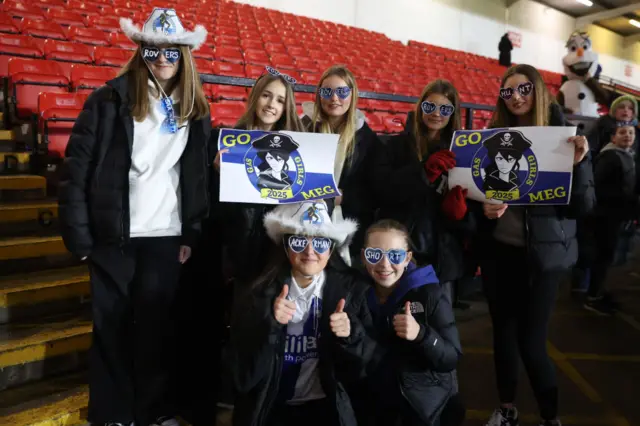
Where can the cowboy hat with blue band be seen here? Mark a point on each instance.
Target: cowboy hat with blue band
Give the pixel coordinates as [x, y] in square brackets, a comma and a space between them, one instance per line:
[164, 27]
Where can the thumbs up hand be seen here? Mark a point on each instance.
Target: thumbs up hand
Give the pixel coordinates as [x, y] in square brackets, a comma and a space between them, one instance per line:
[405, 325]
[284, 309]
[339, 321]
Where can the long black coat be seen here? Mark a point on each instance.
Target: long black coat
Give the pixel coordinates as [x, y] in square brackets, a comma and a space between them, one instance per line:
[94, 189]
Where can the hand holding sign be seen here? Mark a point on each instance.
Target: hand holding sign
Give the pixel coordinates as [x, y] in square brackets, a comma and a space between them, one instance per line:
[216, 161]
[405, 325]
[494, 211]
[438, 163]
[339, 321]
[454, 204]
[582, 147]
[284, 309]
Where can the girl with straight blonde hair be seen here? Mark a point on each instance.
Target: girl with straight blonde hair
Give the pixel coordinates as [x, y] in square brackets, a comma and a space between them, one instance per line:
[359, 149]
[132, 198]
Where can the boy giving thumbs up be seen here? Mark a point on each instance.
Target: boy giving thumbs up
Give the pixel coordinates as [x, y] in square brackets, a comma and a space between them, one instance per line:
[305, 326]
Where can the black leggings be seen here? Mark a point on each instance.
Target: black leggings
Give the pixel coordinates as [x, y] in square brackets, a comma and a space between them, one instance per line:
[520, 303]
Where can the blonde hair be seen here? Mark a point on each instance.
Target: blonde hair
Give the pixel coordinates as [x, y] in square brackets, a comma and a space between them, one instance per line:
[420, 130]
[139, 75]
[348, 125]
[502, 117]
[288, 121]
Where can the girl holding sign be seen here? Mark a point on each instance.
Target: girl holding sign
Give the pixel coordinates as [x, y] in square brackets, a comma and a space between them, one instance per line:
[301, 331]
[271, 107]
[419, 160]
[414, 321]
[132, 199]
[525, 253]
[356, 172]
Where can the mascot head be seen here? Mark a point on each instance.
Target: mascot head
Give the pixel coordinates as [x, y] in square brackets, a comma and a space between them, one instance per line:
[580, 61]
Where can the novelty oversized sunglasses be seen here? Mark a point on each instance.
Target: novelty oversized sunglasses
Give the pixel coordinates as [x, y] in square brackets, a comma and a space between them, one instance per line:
[152, 54]
[524, 89]
[274, 72]
[299, 243]
[375, 255]
[343, 92]
[445, 110]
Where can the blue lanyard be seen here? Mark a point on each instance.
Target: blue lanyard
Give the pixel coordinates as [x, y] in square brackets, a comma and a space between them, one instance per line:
[169, 124]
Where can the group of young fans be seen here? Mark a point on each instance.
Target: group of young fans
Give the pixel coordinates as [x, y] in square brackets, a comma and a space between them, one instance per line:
[342, 308]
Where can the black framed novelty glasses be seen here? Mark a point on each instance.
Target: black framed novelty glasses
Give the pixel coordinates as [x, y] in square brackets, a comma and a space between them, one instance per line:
[342, 92]
[524, 89]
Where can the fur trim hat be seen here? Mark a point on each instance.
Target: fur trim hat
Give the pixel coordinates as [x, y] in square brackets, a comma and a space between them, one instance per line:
[616, 103]
[309, 218]
[164, 27]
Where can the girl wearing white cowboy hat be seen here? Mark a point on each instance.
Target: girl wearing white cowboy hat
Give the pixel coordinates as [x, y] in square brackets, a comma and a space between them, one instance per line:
[132, 197]
[301, 327]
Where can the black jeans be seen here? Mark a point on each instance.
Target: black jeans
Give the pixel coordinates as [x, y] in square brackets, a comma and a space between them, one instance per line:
[608, 236]
[520, 303]
[133, 292]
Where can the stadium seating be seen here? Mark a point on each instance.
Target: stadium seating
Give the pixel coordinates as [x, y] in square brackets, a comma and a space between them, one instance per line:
[82, 47]
[56, 112]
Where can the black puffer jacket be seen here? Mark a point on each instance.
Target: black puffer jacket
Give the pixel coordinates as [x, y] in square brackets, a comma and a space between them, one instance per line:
[420, 370]
[413, 201]
[550, 231]
[258, 343]
[615, 183]
[94, 189]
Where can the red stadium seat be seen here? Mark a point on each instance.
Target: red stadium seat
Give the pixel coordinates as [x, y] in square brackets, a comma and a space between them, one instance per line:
[85, 8]
[49, 4]
[229, 54]
[8, 25]
[393, 123]
[19, 9]
[226, 92]
[44, 29]
[256, 57]
[111, 56]
[226, 114]
[228, 69]
[282, 61]
[16, 46]
[122, 41]
[30, 77]
[87, 78]
[66, 17]
[89, 36]
[204, 52]
[67, 53]
[104, 23]
[375, 122]
[203, 66]
[57, 113]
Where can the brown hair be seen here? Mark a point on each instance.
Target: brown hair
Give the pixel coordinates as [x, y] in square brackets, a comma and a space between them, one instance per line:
[139, 75]
[386, 225]
[289, 119]
[502, 117]
[420, 130]
[347, 127]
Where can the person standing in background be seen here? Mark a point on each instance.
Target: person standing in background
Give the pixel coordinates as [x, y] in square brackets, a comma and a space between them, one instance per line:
[505, 47]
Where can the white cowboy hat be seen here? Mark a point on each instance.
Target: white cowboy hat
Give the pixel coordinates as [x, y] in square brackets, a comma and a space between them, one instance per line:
[309, 218]
[164, 27]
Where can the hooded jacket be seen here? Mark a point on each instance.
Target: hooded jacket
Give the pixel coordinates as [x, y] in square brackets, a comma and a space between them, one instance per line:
[615, 183]
[361, 178]
[258, 342]
[94, 188]
[421, 370]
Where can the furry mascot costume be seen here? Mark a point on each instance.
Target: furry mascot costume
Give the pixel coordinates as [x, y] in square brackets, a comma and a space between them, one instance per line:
[580, 92]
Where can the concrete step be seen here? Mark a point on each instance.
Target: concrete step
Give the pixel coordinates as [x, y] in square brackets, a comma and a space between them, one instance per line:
[33, 350]
[29, 247]
[60, 401]
[24, 218]
[16, 187]
[43, 293]
[7, 135]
